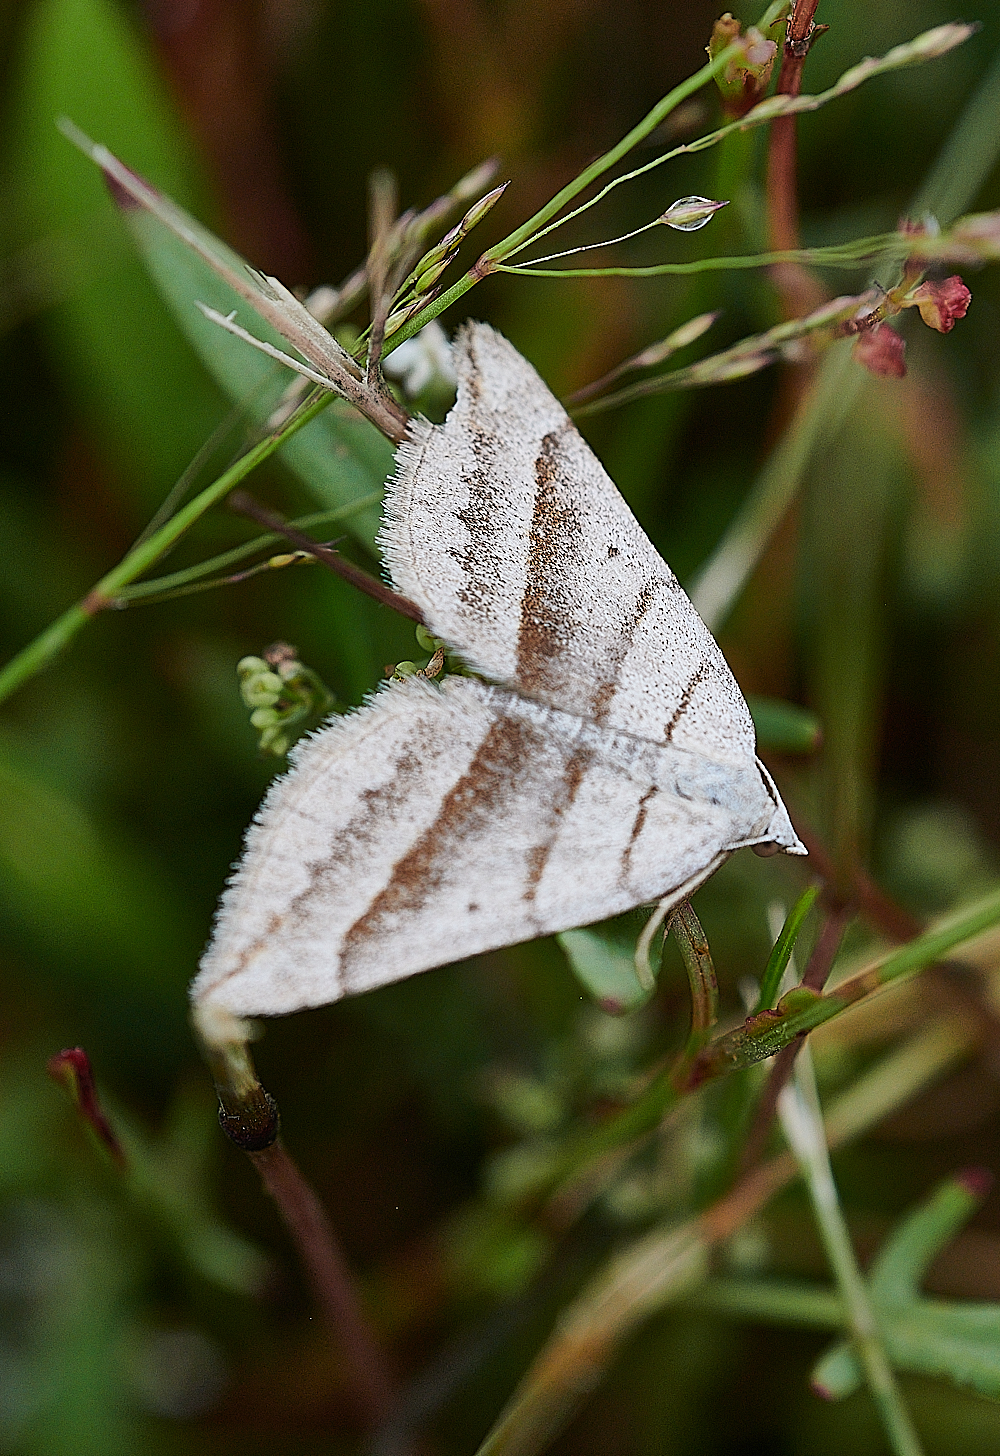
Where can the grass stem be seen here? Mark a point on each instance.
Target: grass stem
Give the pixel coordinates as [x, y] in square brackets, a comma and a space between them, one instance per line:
[145, 553]
[802, 1121]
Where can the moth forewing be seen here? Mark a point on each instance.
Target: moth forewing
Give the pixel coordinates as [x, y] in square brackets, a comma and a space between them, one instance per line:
[611, 762]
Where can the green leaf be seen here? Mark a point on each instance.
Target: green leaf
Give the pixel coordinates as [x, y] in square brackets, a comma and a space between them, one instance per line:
[960, 1342]
[113, 344]
[340, 456]
[783, 947]
[784, 727]
[606, 970]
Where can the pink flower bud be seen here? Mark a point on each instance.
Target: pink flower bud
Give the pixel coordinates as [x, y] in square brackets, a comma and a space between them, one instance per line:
[72, 1068]
[688, 214]
[745, 77]
[881, 352]
[941, 304]
[980, 235]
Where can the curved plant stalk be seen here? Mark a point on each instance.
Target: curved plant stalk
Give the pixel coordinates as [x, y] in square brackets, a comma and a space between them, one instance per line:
[799, 1011]
[670, 1263]
[692, 942]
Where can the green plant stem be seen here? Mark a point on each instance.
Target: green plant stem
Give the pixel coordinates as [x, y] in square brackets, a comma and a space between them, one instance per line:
[765, 113]
[193, 577]
[525, 234]
[669, 1263]
[839, 255]
[529, 231]
[762, 1037]
[48, 644]
[802, 1121]
[697, 957]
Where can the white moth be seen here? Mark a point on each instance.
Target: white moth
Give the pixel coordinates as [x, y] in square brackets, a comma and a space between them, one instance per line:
[609, 761]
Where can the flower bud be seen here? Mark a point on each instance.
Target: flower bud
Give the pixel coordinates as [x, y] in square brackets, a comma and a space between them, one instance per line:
[443, 249]
[274, 742]
[479, 209]
[744, 78]
[430, 276]
[941, 304]
[261, 689]
[880, 350]
[264, 718]
[688, 214]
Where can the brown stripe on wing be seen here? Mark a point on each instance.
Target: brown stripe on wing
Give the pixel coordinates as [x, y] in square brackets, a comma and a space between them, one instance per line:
[479, 560]
[353, 841]
[698, 676]
[546, 608]
[604, 696]
[637, 826]
[538, 855]
[550, 611]
[466, 810]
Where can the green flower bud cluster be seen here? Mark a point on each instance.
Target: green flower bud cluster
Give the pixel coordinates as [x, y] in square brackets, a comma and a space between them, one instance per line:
[441, 660]
[421, 285]
[285, 696]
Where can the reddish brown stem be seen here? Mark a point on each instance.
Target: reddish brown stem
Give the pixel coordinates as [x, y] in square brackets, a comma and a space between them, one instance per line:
[245, 505]
[317, 1243]
[799, 291]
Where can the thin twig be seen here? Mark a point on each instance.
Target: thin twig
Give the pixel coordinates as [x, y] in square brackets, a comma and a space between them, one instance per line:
[244, 504]
[249, 1117]
[798, 290]
[314, 1237]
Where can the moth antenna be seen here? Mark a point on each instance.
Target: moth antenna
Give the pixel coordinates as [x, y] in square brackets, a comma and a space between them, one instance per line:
[243, 503]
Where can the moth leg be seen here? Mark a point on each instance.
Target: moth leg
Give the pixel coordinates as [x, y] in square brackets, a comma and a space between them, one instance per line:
[643, 964]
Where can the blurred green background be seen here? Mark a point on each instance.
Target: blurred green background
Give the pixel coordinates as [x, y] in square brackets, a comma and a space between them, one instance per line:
[177, 1321]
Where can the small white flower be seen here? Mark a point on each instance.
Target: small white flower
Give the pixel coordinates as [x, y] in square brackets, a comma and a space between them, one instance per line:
[422, 360]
